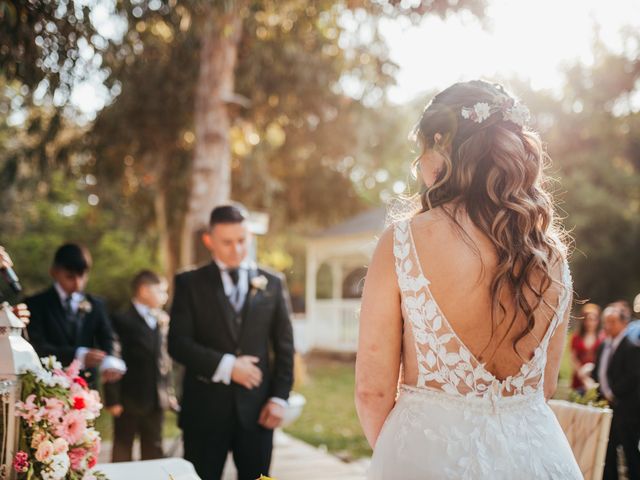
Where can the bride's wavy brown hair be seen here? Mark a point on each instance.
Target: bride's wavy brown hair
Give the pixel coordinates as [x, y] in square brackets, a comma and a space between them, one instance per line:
[495, 171]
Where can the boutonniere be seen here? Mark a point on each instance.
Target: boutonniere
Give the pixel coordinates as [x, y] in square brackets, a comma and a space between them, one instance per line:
[161, 317]
[85, 306]
[259, 283]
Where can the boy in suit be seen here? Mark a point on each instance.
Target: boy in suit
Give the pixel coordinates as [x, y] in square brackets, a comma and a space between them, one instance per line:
[71, 324]
[138, 401]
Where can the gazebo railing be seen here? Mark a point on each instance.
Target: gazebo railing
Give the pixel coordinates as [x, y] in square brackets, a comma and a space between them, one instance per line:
[335, 325]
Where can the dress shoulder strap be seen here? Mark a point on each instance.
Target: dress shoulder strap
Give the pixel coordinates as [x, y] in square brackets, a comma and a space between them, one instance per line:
[410, 277]
[563, 300]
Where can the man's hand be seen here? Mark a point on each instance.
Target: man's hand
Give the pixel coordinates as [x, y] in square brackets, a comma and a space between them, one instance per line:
[22, 312]
[93, 358]
[5, 259]
[115, 410]
[271, 415]
[111, 375]
[246, 373]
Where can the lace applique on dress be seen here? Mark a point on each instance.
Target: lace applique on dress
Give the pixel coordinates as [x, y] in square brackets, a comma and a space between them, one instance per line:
[444, 362]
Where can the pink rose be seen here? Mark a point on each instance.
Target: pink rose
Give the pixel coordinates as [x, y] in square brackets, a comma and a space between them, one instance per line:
[72, 427]
[95, 446]
[60, 445]
[37, 437]
[76, 456]
[44, 451]
[21, 462]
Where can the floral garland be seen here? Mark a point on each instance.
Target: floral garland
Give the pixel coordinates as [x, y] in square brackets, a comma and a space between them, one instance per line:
[57, 438]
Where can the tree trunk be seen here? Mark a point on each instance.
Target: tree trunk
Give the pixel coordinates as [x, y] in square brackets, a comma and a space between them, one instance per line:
[211, 173]
[162, 224]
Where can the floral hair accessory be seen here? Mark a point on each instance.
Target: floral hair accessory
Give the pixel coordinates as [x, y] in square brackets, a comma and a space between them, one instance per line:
[511, 111]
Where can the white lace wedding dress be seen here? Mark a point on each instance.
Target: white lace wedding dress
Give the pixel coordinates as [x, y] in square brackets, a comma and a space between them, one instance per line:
[459, 421]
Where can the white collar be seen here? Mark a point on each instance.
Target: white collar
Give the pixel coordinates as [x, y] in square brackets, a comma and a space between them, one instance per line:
[141, 308]
[77, 296]
[244, 265]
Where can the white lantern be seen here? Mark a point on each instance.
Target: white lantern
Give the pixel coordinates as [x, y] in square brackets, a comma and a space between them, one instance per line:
[16, 356]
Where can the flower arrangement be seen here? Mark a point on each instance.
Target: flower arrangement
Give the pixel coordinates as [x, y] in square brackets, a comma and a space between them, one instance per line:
[58, 439]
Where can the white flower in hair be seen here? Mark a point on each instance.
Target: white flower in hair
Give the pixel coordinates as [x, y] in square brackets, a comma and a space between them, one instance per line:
[478, 113]
[482, 111]
[511, 112]
[518, 114]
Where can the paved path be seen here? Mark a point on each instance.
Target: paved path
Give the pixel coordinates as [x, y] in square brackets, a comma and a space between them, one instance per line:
[293, 459]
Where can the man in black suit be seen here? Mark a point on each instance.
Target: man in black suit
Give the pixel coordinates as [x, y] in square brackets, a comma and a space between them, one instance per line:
[617, 371]
[138, 401]
[230, 328]
[71, 324]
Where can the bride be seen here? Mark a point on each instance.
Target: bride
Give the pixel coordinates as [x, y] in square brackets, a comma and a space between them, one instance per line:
[466, 306]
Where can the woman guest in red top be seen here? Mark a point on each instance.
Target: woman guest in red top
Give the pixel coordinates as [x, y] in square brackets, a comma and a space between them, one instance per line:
[584, 345]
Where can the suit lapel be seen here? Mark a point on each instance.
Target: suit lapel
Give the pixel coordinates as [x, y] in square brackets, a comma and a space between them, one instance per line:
[149, 335]
[227, 310]
[253, 295]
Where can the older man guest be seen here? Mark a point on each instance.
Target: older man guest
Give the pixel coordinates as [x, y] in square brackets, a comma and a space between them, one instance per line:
[617, 371]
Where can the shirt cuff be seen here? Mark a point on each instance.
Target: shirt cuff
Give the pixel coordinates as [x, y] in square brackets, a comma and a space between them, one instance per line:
[113, 363]
[81, 352]
[280, 401]
[224, 370]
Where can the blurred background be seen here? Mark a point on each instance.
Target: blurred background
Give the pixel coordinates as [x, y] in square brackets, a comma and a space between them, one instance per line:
[122, 122]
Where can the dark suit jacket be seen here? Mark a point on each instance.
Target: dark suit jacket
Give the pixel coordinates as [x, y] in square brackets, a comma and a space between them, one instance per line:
[203, 328]
[623, 374]
[145, 386]
[49, 333]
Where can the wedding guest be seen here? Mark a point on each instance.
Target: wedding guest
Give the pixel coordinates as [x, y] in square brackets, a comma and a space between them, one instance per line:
[584, 346]
[71, 324]
[230, 328]
[138, 401]
[617, 371]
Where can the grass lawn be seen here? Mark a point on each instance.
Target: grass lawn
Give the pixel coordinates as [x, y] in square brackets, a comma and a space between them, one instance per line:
[329, 418]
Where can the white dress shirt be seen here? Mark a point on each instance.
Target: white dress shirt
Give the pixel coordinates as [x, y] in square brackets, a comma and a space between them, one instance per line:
[237, 295]
[109, 361]
[145, 312]
[609, 348]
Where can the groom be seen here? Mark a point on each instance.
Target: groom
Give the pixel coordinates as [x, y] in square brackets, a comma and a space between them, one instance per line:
[231, 330]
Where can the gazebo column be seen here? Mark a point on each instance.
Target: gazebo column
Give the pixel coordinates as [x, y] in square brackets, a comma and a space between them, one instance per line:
[336, 279]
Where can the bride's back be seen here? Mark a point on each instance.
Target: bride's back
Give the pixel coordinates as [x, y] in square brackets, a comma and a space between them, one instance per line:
[460, 263]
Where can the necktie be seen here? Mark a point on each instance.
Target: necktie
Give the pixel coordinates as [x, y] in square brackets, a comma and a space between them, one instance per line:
[234, 273]
[72, 317]
[67, 305]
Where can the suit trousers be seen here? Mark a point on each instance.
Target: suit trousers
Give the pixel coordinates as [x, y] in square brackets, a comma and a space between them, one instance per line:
[208, 450]
[626, 434]
[147, 426]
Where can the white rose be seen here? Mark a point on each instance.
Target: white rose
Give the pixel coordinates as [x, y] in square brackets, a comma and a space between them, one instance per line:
[260, 282]
[44, 451]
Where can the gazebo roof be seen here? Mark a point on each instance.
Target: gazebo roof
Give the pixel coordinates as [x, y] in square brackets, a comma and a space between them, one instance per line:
[368, 222]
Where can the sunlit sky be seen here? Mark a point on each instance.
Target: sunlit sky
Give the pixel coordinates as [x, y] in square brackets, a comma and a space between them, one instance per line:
[528, 39]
